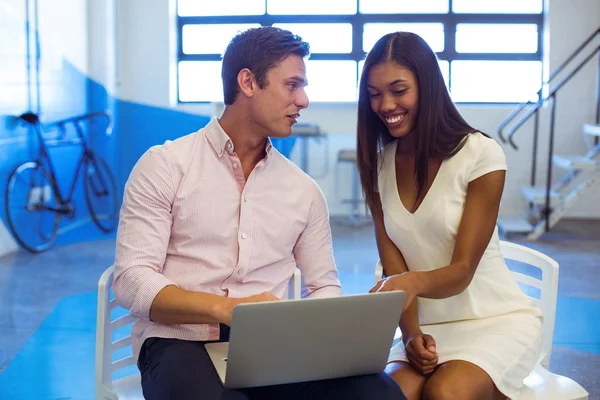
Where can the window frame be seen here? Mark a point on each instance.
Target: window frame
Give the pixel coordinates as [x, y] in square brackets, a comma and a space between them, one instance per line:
[449, 21]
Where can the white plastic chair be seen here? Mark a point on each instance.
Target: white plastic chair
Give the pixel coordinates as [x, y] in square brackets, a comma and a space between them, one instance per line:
[128, 387]
[541, 383]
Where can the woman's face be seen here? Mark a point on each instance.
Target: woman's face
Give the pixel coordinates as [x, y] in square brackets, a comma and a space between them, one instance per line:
[394, 97]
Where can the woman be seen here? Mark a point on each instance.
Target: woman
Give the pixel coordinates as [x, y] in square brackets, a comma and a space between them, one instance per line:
[434, 184]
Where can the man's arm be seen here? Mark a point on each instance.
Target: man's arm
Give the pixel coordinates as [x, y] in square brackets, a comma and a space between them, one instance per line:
[314, 252]
[143, 237]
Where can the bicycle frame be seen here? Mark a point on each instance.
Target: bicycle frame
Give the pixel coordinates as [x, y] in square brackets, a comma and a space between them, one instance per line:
[43, 157]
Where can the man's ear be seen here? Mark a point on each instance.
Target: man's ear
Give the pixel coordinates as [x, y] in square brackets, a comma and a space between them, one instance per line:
[247, 82]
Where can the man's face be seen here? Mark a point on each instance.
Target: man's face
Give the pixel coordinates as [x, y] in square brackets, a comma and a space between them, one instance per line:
[276, 107]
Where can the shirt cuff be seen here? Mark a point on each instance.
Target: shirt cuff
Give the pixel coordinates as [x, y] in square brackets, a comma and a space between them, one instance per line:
[147, 293]
[326, 291]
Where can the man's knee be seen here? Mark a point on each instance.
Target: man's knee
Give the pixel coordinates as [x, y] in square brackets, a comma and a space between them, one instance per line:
[179, 370]
[376, 386]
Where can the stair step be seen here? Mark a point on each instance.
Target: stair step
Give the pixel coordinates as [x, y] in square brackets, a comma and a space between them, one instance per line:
[575, 162]
[514, 225]
[537, 195]
[591, 129]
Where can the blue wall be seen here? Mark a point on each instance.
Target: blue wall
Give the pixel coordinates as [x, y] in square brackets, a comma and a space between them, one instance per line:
[65, 91]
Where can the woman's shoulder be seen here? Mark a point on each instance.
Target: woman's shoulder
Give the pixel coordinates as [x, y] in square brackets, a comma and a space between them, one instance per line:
[476, 143]
[476, 140]
[481, 154]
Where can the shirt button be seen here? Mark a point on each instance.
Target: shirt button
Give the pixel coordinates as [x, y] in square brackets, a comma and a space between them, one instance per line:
[244, 236]
[240, 272]
[245, 199]
[235, 165]
[220, 151]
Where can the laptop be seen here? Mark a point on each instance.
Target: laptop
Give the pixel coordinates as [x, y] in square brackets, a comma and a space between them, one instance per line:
[290, 341]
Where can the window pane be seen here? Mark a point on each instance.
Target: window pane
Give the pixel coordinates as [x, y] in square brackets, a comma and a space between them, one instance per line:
[496, 81]
[432, 33]
[311, 7]
[323, 38]
[221, 7]
[403, 6]
[200, 81]
[445, 69]
[331, 80]
[195, 37]
[497, 7]
[496, 38]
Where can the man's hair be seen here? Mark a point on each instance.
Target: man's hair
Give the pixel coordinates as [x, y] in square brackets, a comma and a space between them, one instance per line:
[259, 50]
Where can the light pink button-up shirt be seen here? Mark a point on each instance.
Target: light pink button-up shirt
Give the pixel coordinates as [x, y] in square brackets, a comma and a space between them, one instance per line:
[189, 218]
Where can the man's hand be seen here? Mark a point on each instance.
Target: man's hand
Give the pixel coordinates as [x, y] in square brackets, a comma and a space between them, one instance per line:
[421, 353]
[222, 311]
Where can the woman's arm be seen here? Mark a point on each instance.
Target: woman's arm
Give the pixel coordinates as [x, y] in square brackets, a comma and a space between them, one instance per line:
[393, 264]
[474, 233]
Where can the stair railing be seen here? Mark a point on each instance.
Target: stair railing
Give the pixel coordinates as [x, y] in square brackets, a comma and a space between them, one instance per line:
[531, 109]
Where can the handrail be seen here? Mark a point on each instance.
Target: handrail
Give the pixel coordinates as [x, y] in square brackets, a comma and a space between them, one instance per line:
[541, 99]
[550, 97]
[551, 93]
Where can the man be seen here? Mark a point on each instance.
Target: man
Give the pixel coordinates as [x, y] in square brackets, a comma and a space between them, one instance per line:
[218, 218]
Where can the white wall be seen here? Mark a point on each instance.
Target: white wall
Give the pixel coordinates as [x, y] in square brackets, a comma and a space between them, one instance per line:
[103, 49]
[146, 69]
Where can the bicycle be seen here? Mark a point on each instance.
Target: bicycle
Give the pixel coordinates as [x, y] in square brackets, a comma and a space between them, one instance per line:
[33, 194]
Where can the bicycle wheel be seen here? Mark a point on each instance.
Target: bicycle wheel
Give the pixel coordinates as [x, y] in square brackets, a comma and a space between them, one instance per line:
[101, 193]
[29, 204]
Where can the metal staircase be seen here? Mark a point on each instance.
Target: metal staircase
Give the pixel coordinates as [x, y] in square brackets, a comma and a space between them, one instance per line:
[549, 202]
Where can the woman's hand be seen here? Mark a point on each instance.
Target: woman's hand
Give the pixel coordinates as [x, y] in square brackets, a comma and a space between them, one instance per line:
[421, 352]
[407, 281]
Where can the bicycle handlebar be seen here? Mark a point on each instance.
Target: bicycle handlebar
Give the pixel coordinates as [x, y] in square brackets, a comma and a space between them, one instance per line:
[34, 119]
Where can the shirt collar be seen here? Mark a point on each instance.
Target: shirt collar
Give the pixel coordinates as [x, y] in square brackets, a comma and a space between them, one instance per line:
[221, 142]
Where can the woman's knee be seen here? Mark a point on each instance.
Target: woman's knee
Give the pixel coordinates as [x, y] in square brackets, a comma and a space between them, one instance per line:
[459, 389]
[436, 390]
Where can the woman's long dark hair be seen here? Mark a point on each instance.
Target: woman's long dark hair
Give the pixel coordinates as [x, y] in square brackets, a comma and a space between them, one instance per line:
[439, 128]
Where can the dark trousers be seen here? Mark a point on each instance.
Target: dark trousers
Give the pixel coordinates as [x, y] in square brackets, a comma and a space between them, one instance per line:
[181, 370]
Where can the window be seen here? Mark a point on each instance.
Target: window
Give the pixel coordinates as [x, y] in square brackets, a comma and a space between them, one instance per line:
[432, 33]
[403, 7]
[489, 52]
[311, 7]
[323, 38]
[331, 80]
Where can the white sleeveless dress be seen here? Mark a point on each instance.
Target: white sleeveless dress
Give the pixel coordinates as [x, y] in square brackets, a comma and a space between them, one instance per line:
[492, 324]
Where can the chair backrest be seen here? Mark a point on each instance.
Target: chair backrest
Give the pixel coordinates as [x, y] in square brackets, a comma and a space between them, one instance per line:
[547, 285]
[106, 326]
[105, 346]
